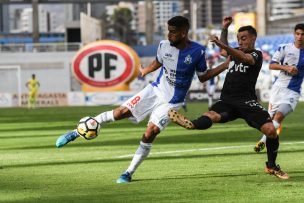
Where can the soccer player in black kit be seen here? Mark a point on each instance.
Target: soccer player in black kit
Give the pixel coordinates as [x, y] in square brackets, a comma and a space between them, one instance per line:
[238, 98]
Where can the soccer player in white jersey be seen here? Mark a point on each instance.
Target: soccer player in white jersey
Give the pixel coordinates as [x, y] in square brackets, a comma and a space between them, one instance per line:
[211, 84]
[179, 59]
[285, 92]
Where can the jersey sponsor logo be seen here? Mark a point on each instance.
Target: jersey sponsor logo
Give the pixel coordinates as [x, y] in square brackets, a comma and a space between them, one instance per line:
[290, 54]
[188, 59]
[168, 55]
[105, 63]
[233, 67]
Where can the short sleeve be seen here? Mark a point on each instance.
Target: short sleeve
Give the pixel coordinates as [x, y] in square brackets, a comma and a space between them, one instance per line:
[256, 57]
[201, 68]
[278, 56]
[159, 55]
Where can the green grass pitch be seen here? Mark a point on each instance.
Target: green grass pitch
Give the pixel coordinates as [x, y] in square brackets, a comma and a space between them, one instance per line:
[216, 165]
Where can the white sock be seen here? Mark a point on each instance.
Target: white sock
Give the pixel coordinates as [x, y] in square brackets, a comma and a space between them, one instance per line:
[209, 101]
[276, 126]
[105, 117]
[141, 153]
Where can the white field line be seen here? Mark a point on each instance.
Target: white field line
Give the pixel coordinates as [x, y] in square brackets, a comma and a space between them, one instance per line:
[206, 149]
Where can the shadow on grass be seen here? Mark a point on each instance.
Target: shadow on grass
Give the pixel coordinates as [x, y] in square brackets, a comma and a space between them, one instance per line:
[207, 138]
[293, 177]
[198, 176]
[58, 163]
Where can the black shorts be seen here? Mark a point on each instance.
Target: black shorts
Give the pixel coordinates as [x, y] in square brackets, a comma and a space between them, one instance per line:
[251, 111]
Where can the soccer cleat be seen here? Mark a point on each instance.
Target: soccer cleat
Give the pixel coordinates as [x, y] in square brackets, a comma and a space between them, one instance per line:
[180, 119]
[259, 146]
[124, 178]
[276, 171]
[66, 138]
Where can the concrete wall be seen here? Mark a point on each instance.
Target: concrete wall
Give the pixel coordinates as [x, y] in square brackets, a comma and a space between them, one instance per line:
[52, 69]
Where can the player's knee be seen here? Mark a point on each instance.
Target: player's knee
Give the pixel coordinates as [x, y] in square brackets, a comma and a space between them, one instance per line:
[153, 130]
[269, 130]
[121, 112]
[215, 117]
[150, 134]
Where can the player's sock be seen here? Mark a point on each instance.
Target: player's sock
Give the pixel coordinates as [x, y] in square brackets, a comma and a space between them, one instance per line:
[272, 146]
[202, 123]
[141, 153]
[263, 139]
[209, 102]
[276, 126]
[105, 117]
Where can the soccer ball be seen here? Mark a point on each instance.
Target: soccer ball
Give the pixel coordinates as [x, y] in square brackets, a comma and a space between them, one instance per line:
[88, 128]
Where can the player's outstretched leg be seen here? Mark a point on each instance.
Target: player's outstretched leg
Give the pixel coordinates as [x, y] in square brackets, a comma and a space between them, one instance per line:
[260, 145]
[125, 177]
[180, 119]
[66, 138]
[104, 117]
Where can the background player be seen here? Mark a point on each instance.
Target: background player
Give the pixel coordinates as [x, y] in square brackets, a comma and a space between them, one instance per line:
[33, 86]
[238, 98]
[286, 90]
[211, 84]
[179, 59]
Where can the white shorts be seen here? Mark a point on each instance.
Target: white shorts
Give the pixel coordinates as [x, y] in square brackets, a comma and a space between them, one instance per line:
[282, 95]
[145, 103]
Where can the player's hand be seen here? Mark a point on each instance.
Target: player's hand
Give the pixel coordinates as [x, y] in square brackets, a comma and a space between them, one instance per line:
[227, 20]
[141, 70]
[292, 70]
[214, 38]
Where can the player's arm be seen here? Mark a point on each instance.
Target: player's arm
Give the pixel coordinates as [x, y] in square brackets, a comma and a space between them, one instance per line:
[227, 20]
[150, 68]
[292, 70]
[217, 81]
[235, 53]
[277, 62]
[210, 73]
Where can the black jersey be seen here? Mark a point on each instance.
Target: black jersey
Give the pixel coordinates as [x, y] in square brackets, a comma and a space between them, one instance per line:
[241, 79]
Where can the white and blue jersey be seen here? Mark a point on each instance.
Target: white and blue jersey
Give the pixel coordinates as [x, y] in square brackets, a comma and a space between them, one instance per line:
[177, 71]
[289, 55]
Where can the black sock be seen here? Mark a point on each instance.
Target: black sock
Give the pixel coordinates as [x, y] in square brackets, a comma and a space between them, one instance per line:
[272, 146]
[202, 123]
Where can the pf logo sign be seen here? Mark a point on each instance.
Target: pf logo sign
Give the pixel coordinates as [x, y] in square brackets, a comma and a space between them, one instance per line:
[105, 65]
